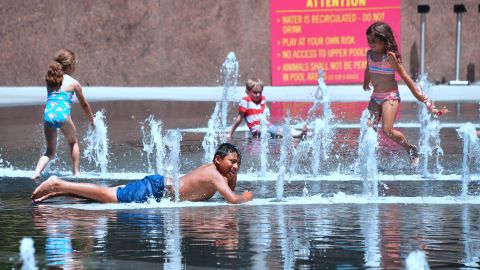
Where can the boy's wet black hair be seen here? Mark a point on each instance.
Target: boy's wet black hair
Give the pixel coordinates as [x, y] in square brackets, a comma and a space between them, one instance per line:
[226, 148]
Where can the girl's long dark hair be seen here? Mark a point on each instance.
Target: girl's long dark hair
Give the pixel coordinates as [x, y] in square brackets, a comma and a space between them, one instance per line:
[384, 32]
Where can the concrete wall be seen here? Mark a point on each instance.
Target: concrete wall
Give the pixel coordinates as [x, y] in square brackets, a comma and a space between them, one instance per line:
[184, 42]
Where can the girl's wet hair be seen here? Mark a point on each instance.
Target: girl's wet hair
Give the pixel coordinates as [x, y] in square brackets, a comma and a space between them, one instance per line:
[226, 148]
[384, 32]
[63, 59]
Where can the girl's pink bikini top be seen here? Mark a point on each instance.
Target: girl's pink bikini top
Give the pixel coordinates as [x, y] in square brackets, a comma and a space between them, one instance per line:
[381, 67]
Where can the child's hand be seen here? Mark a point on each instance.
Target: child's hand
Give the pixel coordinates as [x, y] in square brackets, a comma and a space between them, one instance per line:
[366, 87]
[247, 195]
[440, 112]
[433, 109]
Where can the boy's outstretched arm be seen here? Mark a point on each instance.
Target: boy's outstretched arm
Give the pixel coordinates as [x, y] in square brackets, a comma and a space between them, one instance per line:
[237, 122]
[224, 189]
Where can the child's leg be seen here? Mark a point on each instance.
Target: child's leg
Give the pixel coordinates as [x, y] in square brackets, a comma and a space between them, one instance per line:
[389, 112]
[51, 141]
[376, 113]
[54, 187]
[70, 134]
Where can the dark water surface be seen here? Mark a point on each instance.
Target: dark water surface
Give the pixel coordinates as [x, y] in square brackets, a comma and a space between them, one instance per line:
[324, 232]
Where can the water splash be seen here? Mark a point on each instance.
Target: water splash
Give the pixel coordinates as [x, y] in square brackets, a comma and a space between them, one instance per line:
[212, 138]
[302, 149]
[367, 162]
[430, 142]
[471, 154]
[230, 78]
[153, 145]
[320, 143]
[27, 254]
[265, 139]
[323, 130]
[4, 164]
[416, 260]
[173, 139]
[321, 97]
[285, 152]
[96, 142]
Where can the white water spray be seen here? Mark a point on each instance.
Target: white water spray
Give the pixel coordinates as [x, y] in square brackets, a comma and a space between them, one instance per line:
[211, 139]
[285, 151]
[471, 154]
[430, 142]
[265, 139]
[173, 139]
[230, 78]
[96, 142]
[153, 144]
[367, 162]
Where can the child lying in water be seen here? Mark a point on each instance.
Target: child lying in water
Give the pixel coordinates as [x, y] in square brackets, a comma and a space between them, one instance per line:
[198, 185]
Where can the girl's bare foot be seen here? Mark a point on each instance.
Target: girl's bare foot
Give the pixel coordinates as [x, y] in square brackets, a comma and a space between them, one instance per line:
[44, 189]
[35, 176]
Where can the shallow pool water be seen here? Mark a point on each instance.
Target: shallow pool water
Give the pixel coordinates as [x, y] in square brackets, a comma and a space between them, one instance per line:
[324, 221]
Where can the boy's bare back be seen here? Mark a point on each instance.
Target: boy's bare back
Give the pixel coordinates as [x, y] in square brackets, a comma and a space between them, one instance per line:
[220, 176]
[198, 185]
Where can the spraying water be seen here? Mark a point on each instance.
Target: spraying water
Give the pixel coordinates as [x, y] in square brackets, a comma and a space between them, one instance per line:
[27, 254]
[416, 260]
[96, 142]
[323, 130]
[4, 163]
[153, 145]
[230, 78]
[367, 156]
[319, 147]
[321, 97]
[265, 139]
[471, 154]
[174, 137]
[211, 139]
[285, 151]
[430, 142]
[302, 148]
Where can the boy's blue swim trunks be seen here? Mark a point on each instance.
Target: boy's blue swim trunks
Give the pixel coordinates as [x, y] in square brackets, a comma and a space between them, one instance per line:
[139, 191]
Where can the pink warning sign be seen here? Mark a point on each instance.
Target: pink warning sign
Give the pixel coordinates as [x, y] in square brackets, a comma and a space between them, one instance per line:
[309, 35]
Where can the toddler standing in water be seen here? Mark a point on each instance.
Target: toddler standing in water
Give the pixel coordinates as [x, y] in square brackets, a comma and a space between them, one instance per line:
[383, 60]
[60, 90]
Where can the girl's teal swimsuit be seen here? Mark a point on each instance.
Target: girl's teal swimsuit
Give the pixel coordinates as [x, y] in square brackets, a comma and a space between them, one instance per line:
[58, 108]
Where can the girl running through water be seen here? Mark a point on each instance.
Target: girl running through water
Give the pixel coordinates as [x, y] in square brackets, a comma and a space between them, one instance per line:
[383, 60]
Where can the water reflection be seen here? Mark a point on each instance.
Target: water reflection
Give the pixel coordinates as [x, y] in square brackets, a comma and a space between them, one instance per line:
[69, 237]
